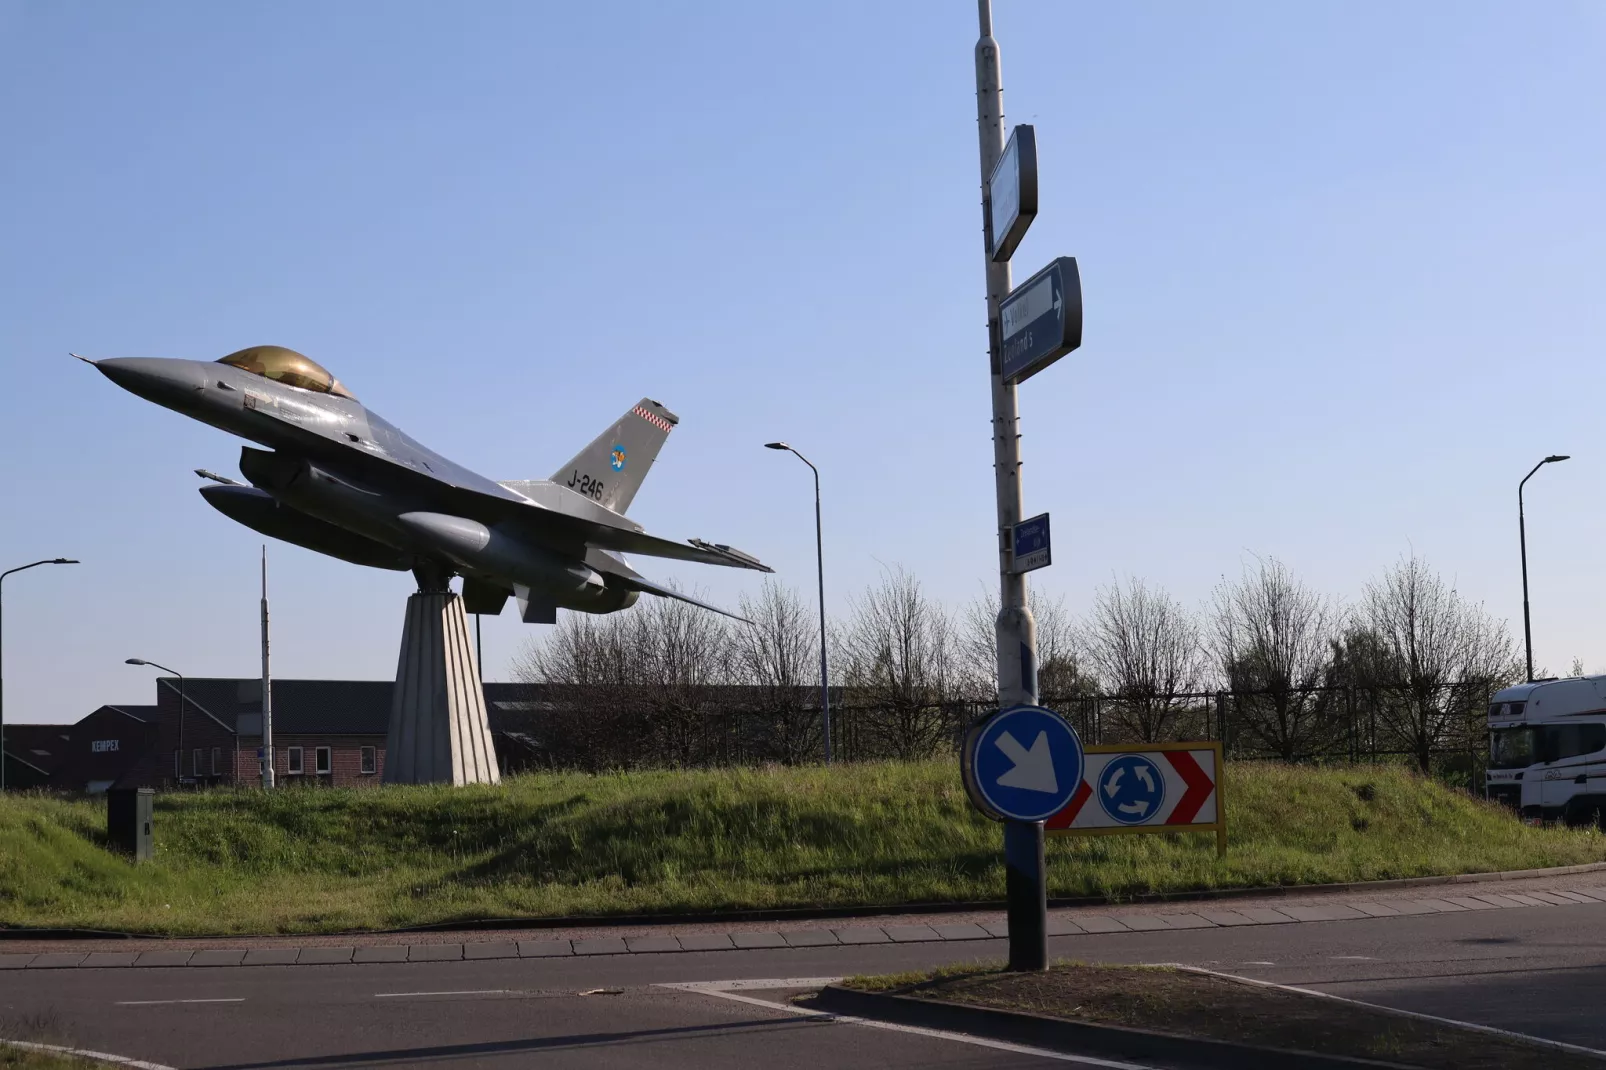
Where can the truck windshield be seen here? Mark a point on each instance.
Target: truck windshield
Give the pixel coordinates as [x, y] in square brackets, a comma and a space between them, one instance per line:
[1513, 748]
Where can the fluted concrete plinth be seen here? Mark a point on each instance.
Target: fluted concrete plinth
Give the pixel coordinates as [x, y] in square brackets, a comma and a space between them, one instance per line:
[438, 732]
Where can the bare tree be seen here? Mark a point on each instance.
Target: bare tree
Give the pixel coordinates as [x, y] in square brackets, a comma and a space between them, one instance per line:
[777, 657]
[1060, 673]
[898, 655]
[1430, 656]
[686, 656]
[1144, 648]
[590, 669]
[1272, 644]
[644, 686]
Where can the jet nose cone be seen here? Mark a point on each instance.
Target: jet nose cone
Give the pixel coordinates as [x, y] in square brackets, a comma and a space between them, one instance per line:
[158, 379]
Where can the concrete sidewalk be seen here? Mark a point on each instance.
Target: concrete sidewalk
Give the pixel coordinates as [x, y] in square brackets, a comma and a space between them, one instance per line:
[1493, 893]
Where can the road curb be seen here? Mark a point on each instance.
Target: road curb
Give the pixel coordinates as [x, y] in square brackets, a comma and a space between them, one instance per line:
[1080, 1038]
[825, 913]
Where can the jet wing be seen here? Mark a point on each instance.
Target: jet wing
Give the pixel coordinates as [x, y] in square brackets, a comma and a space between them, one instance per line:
[630, 579]
[639, 542]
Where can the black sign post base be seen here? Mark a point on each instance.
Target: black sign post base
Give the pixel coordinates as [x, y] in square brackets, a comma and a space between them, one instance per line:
[1026, 888]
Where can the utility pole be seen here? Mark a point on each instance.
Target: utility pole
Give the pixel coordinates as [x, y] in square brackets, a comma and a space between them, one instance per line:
[267, 686]
[1016, 630]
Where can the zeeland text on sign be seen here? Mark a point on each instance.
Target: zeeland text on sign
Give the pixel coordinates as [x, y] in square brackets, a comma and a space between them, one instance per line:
[1041, 320]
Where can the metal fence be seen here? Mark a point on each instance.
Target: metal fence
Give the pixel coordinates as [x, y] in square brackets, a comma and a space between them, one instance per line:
[1439, 729]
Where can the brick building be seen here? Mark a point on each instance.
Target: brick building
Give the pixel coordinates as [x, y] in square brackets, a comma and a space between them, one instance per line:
[31, 752]
[325, 732]
[102, 748]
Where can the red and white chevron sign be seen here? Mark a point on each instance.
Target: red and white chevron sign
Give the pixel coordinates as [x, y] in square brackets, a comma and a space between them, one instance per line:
[1186, 798]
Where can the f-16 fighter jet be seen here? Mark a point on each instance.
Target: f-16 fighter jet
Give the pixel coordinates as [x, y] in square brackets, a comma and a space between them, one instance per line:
[339, 479]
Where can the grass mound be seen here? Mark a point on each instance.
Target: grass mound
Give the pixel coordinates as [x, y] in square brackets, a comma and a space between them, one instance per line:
[572, 844]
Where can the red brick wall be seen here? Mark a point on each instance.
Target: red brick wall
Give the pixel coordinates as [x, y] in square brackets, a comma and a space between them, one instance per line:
[346, 755]
[199, 731]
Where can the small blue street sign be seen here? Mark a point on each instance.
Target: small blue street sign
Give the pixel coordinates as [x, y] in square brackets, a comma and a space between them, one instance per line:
[1022, 764]
[1131, 789]
[1030, 544]
[1040, 321]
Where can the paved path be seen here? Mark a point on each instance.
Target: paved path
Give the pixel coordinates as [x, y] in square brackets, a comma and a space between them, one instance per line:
[1537, 968]
[938, 928]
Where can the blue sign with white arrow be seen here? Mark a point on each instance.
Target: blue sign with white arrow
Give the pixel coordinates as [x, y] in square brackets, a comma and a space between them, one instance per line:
[1023, 764]
[1040, 320]
[1131, 789]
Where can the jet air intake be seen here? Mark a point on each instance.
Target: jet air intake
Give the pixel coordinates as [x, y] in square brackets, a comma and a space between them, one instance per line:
[308, 488]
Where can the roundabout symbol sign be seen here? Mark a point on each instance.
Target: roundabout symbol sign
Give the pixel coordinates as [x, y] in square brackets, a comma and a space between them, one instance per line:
[1131, 789]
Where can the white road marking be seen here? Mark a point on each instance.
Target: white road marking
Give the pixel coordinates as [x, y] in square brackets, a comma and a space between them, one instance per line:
[464, 992]
[726, 990]
[1260, 964]
[118, 1060]
[1352, 958]
[160, 1002]
[1474, 1026]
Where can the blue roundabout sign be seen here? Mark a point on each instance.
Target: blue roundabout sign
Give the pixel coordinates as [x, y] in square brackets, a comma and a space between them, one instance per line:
[1131, 789]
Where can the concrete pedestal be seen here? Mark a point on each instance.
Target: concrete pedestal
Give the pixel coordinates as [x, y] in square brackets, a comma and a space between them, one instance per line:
[438, 732]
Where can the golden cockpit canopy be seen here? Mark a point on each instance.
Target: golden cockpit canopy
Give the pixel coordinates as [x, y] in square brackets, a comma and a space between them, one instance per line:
[287, 366]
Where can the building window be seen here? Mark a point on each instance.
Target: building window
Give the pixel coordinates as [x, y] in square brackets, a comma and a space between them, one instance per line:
[293, 756]
[217, 760]
[324, 756]
[370, 760]
[195, 762]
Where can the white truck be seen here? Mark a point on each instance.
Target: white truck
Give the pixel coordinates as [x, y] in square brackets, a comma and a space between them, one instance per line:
[1547, 750]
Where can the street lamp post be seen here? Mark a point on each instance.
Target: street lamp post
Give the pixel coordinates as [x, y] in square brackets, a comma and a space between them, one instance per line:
[178, 771]
[3, 575]
[1522, 538]
[819, 558]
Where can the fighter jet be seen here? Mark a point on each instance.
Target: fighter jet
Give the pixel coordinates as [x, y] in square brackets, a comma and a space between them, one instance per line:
[338, 479]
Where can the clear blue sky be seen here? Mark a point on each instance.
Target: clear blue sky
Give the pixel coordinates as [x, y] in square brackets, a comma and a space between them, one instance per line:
[1342, 266]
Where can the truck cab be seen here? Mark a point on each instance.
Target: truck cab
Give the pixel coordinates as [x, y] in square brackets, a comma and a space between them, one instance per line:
[1547, 750]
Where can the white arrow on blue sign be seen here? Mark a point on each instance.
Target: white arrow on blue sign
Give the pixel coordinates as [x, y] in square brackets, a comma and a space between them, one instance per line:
[1022, 764]
[1040, 320]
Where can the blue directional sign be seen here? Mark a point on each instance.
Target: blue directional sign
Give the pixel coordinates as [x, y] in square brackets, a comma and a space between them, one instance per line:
[1131, 789]
[1040, 321]
[1030, 544]
[1023, 764]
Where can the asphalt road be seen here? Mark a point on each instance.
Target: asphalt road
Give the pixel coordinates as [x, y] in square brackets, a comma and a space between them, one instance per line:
[1538, 970]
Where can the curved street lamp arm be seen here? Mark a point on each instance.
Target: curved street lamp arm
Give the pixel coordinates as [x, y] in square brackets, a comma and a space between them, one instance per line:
[36, 564]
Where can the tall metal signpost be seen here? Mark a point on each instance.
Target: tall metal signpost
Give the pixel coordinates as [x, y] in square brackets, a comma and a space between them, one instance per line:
[1008, 777]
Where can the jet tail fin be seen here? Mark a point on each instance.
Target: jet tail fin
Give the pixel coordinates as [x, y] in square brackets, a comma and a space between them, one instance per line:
[613, 467]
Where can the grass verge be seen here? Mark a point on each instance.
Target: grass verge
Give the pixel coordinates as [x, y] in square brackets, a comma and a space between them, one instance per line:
[21, 1059]
[38, 1029]
[556, 845]
[1189, 1004]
